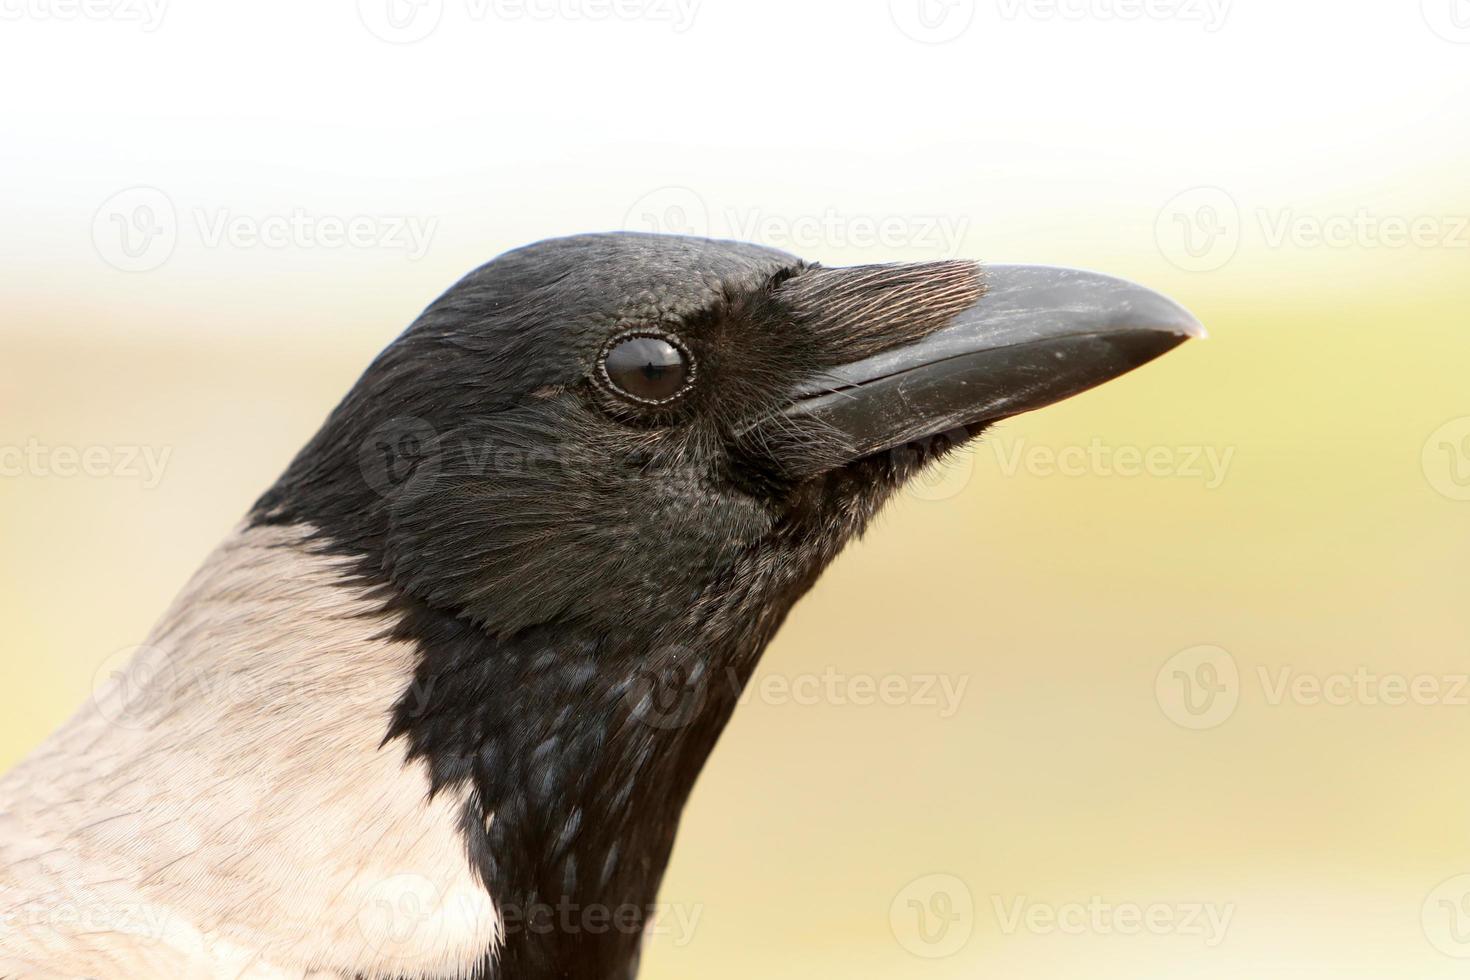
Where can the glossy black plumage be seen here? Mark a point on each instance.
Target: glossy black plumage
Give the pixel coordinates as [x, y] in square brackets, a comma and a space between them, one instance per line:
[589, 579]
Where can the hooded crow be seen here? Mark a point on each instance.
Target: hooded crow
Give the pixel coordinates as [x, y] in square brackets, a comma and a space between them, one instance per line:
[434, 708]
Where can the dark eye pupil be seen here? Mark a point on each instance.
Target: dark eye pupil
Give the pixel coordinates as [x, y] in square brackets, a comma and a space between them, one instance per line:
[648, 369]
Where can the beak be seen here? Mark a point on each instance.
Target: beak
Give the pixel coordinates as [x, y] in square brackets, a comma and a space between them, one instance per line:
[1035, 336]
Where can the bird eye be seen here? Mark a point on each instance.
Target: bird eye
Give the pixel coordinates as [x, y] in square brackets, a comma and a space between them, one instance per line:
[648, 369]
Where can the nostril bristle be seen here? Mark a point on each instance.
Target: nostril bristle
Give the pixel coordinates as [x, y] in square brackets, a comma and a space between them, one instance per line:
[864, 310]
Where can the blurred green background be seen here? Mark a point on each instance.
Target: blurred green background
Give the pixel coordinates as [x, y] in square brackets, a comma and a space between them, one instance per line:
[1205, 628]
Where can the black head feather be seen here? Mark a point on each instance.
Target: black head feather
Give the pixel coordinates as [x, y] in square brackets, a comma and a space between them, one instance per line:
[591, 580]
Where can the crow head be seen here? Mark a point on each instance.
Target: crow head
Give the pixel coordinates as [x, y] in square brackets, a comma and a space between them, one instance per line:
[594, 476]
[623, 433]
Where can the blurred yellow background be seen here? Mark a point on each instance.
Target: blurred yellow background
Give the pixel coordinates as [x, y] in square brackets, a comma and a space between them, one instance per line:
[1178, 616]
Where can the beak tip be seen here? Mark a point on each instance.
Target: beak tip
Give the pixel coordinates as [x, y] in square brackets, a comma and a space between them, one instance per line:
[1189, 326]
